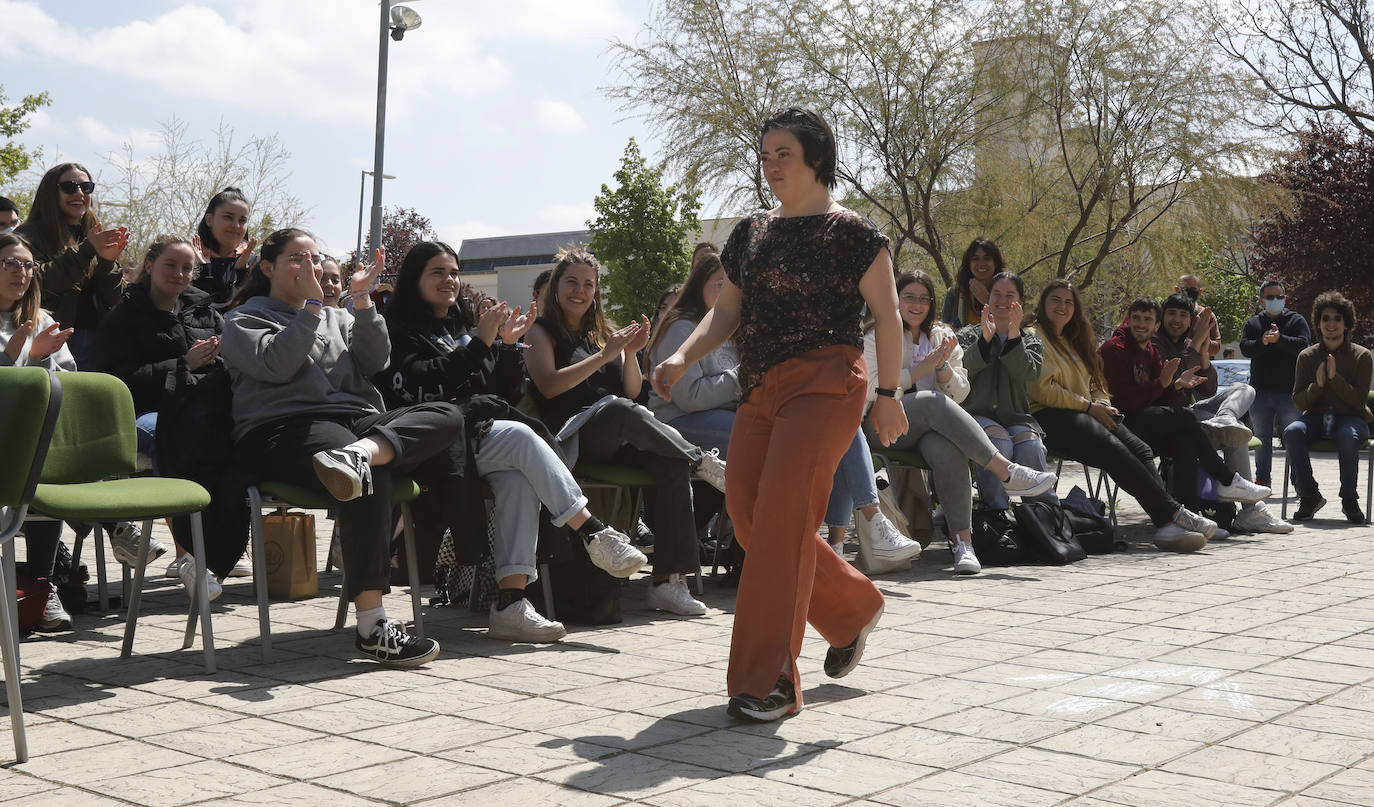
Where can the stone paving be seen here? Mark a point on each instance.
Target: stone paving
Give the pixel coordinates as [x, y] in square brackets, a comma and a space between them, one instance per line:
[1239, 676]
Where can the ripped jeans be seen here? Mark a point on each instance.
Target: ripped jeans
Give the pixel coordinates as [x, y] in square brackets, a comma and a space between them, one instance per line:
[1021, 445]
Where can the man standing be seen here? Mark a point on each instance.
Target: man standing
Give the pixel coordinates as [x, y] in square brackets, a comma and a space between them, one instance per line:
[1148, 390]
[1205, 325]
[1272, 341]
[1219, 411]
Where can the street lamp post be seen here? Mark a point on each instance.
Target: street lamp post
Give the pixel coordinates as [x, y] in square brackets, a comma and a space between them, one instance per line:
[362, 183]
[395, 22]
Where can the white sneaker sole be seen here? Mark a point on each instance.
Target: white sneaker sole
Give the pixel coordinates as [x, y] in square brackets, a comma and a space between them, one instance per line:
[337, 477]
[1034, 490]
[967, 568]
[532, 637]
[1191, 542]
[897, 555]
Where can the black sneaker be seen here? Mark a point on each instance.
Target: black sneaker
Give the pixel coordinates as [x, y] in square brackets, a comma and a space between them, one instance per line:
[841, 661]
[344, 472]
[1353, 513]
[1308, 507]
[780, 702]
[391, 645]
[644, 537]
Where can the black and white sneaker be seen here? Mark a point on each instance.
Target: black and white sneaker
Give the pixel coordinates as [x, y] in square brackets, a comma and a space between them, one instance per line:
[780, 702]
[345, 472]
[841, 661]
[391, 645]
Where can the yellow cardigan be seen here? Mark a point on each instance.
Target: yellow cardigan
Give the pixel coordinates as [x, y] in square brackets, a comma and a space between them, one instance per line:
[1064, 382]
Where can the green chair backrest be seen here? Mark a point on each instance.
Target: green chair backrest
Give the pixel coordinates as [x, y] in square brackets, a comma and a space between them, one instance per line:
[30, 398]
[96, 437]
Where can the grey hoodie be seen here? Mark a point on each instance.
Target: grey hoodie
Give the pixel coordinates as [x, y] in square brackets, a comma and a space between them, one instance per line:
[286, 361]
[711, 383]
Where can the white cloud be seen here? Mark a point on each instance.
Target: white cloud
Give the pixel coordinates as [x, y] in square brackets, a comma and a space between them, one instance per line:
[107, 139]
[558, 117]
[566, 217]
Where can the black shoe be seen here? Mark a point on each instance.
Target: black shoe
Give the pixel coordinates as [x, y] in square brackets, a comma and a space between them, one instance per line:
[1353, 513]
[1308, 507]
[391, 645]
[644, 537]
[841, 661]
[780, 702]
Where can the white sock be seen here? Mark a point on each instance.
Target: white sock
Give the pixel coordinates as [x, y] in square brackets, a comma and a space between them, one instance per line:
[368, 619]
[363, 447]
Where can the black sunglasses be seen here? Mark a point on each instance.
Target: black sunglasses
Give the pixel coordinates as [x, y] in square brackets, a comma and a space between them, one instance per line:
[71, 187]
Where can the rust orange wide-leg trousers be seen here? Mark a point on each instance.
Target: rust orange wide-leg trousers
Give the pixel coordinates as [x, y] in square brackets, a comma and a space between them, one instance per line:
[784, 447]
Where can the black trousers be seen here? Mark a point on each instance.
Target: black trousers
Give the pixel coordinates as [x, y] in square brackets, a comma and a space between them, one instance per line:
[1174, 432]
[280, 451]
[1125, 457]
[625, 433]
[40, 543]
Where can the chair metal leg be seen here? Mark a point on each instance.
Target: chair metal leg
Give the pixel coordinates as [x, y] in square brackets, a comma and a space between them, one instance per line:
[9, 645]
[259, 542]
[342, 616]
[203, 593]
[413, 571]
[1283, 511]
[548, 590]
[102, 593]
[135, 593]
[11, 608]
[1369, 484]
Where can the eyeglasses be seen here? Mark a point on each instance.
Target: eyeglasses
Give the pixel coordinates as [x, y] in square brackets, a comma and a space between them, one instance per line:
[922, 300]
[1325, 317]
[72, 187]
[16, 265]
[298, 258]
[1273, 296]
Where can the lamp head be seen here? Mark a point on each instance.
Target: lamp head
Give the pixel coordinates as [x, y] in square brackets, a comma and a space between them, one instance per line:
[403, 18]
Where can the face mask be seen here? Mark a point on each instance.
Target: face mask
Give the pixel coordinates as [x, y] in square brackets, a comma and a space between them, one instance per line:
[1273, 307]
[1192, 294]
[6, 230]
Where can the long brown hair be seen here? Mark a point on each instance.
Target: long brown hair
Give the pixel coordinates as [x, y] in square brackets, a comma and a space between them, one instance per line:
[46, 226]
[593, 324]
[962, 279]
[1077, 337]
[29, 305]
[691, 301]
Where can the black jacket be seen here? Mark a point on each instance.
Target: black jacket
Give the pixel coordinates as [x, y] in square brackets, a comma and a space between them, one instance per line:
[145, 347]
[1272, 366]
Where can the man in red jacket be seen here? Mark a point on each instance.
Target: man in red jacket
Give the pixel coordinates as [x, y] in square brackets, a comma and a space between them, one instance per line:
[1151, 393]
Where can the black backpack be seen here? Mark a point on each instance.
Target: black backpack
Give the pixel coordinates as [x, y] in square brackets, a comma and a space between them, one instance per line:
[1047, 530]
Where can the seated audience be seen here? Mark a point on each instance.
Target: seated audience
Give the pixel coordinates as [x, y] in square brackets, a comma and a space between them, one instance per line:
[223, 246]
[965, 299]
[331, 281]
[1331, 390]
[442, 351]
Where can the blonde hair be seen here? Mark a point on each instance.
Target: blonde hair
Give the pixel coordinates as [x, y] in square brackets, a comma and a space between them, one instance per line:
[593, 324]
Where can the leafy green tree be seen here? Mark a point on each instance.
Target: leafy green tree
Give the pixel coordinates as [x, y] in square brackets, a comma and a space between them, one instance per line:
[640, 233]
[14, 159]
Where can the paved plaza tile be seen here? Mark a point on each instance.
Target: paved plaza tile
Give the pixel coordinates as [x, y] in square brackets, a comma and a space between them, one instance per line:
[1241, 675]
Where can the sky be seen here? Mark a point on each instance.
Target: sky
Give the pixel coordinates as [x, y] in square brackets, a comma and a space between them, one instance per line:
[495, 122]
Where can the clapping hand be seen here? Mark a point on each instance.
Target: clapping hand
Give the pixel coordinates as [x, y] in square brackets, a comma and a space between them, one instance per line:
[1326, 370]
[108, 244]
[1190, 378]
[934, 358]
[1271, 336]
[365, 276]
[639, 339]
[491, 322]
[1166, 374]
[202, 353]
[989, 325]
[518, 324]
[245, 252]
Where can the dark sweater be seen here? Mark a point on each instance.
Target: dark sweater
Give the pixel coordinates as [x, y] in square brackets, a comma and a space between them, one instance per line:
[1271, 366]
[1132, 373]
[1347, 393]
[1187, 357]
[145, 347]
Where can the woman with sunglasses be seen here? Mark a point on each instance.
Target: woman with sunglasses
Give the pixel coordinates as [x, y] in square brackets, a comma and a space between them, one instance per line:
[29, 337]
[443, 350]
[76, 256]
[306, 413]
[935, 382]
[1331, 389]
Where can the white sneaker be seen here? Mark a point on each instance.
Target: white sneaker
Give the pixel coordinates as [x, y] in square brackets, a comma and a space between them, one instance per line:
[1028, 481]
[711, 469]
[610, 551]
[173, 569]
[887, 542]
[1257, 517]
[125, 540]
[1227, 430]
[55, 617]
[1192, 522]
[187, 573]
[1241, 489]
[1174, 538]
[965, 562]
[519, 622]
[675, 598]
[1220, 534]
[244, 568]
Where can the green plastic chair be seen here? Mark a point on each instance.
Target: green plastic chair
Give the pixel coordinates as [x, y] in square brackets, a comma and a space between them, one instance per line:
[30, 399]
[280, 495]
[86, 478]
[1329, 446]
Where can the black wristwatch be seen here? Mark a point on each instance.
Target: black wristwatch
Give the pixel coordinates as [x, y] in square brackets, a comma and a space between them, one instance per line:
[894, 394]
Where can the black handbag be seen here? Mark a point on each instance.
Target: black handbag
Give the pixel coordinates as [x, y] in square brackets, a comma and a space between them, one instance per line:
[996, 540]
[1047, 531]
[1093, 532]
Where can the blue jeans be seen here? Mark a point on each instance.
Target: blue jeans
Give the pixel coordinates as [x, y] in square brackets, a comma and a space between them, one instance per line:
[707, 429]
[524, 472]
[147, 438]
[1021, 445]
[1348, 432]
[1270, 405]
[854, 485]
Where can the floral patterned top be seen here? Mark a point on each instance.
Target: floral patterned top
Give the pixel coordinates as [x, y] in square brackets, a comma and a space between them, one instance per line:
[799, 277]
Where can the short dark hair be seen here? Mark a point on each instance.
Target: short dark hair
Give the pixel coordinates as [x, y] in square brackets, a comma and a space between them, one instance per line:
[1178, 301]
[1014, 279]
[1272, 282]
[1338, 301]
[7, 203]
[815, 135]
[1146, 304]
